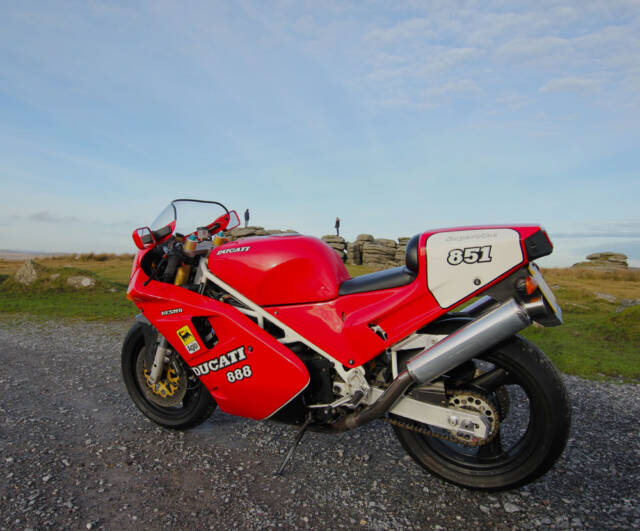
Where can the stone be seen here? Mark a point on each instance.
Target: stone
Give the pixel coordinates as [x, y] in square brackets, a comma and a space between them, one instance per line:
[385, 242]
[27, 274]
[81, 282]
[364, 238]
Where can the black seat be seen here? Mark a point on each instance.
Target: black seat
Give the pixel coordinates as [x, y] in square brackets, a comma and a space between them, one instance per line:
[390, 278]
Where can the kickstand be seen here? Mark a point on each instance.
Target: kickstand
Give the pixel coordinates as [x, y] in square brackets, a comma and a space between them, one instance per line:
[296, 441]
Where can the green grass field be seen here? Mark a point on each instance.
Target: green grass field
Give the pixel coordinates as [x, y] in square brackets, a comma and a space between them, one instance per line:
[597, 340]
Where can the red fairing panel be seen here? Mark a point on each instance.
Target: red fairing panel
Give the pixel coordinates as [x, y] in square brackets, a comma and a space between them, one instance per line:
[287, 269]
[341, 326]
[248, 372]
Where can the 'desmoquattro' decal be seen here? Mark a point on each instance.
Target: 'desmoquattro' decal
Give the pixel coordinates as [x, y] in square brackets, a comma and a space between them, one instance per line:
[461, 262]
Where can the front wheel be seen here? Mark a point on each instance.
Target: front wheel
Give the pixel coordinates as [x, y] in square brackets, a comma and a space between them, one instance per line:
[178, 400]
[522, 394]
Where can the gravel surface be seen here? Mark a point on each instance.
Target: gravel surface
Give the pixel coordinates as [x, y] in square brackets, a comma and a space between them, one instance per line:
[76, 453]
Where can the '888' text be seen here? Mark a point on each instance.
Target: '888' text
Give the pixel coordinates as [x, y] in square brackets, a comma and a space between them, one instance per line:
[239, 374]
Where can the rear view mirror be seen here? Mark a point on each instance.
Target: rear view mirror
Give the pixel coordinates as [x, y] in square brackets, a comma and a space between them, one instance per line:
[143, 238]
[234, 220]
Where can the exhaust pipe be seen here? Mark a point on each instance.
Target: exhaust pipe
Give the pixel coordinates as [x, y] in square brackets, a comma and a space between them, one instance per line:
[462, 345]
[470, 340]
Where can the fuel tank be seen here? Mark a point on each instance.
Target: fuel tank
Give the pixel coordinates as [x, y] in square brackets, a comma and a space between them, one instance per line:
[280, 269]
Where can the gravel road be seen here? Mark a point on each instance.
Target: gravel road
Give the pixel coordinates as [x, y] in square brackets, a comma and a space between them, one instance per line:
[76, 454]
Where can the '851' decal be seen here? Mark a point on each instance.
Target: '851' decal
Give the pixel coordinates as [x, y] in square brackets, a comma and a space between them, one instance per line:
[470, 255]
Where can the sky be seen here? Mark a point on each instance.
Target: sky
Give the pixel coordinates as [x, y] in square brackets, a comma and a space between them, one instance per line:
[395, 116]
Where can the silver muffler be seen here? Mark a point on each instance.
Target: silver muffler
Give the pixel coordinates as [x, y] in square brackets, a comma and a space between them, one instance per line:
[470, 340]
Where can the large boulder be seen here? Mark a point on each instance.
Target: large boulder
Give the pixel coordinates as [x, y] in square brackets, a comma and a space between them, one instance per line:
[27, 274]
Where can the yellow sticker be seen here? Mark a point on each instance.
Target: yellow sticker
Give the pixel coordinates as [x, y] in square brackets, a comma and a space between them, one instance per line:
[188, 340]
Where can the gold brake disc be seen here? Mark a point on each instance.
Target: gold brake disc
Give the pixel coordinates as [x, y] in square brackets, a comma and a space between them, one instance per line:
[169, 389]
[166, 387]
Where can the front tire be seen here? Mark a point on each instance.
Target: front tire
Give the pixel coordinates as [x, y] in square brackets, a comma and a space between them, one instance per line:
[531, 400]
[194, 407]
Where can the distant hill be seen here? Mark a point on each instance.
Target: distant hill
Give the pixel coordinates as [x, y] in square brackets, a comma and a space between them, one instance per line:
[21, 255]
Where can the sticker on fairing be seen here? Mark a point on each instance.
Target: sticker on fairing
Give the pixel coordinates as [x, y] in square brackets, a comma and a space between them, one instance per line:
[461, 262]
[171, 312]
[188, 340]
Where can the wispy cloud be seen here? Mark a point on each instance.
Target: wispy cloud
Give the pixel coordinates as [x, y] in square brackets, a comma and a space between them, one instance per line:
[569, 84]
[597, 234]
[44, 216]
[605, 229]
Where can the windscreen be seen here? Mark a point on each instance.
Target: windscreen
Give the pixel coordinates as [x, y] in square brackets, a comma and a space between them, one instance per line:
[188, 214]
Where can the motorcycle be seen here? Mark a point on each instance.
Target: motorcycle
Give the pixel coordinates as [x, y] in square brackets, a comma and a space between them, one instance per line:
[273, 327]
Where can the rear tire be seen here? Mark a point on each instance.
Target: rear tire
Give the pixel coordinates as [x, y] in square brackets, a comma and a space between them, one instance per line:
[196, 405]
[532, 435]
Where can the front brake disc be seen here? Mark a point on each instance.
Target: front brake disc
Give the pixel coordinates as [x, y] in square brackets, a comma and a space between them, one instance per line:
[170, 388]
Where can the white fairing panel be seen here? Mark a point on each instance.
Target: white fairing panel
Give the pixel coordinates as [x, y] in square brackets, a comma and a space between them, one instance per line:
[464, 261]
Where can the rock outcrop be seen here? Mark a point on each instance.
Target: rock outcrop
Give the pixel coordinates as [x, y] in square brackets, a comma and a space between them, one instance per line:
[605, 261]
[378, 253]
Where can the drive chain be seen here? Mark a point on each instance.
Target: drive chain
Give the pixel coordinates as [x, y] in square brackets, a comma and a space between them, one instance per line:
[423, 430]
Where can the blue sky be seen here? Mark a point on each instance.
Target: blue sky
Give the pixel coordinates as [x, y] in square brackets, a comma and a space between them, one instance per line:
[396, 116]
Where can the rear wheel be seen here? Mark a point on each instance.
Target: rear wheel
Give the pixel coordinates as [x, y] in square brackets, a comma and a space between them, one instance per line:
[178, 400]
[521, 393]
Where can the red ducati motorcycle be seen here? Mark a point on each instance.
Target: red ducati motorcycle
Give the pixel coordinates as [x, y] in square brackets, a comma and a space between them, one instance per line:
[273, 327]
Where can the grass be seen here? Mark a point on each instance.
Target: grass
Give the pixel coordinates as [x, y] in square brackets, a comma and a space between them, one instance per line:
[596, 341]
[51, 296]
[599, 339]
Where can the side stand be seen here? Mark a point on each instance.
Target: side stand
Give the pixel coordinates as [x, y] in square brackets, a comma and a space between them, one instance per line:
[291, 451]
